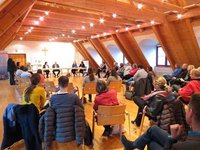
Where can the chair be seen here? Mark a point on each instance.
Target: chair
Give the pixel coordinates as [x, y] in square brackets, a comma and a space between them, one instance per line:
[116, 85]
[50, 87]
[89, 88]
[110, 115]
[71, 88]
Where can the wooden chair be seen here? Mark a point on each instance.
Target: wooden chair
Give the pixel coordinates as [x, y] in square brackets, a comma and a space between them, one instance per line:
[50, 87]
[71, 88]
[89, 88]
[117, 85]
[110, 115]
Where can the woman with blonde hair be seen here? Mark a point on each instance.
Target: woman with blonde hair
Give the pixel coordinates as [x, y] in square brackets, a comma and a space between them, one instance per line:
[153, 103]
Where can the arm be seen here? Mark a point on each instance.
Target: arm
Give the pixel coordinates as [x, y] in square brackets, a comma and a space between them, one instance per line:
[78, 101]
[186, 91]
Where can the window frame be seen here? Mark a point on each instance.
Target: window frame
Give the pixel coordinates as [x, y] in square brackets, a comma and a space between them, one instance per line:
[158, 65]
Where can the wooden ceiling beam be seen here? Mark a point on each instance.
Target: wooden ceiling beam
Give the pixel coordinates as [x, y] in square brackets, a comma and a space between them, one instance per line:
[108, 7]
[103, 52]
[10, 16]
[92, 62]
[123, 49]
[132, 48]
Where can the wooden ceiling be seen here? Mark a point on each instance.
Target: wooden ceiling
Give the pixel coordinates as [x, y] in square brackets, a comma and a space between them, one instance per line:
[171, 21]
[66, 16]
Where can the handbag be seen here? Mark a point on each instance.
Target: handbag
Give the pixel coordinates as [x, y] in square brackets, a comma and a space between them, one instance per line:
[129, 95]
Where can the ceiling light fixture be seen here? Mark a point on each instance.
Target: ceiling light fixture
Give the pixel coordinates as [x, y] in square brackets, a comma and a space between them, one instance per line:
[114, 15]
[179, 16]
[29, 30]
[73, 31]
[116, 30]
[32, 28]
[41, 18]
[83, 27]
[126, 28]
[152, 22]
[139, 6]
[104, 34]
[26, 33]
[91, 24]
[101, 20]
[63, 35]
[138, 25]
[46, 13]
[50, 40]
[21, 38]
[36, 22]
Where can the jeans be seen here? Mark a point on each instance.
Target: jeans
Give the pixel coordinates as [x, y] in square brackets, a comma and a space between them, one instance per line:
[155, 138]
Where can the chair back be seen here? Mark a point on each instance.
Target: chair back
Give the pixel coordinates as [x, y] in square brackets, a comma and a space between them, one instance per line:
[111, 115]
[89, 88]
[50, 86]
[70, 87]
[115, 85]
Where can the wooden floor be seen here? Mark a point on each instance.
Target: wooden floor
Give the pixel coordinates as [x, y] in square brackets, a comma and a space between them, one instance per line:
[10, 94]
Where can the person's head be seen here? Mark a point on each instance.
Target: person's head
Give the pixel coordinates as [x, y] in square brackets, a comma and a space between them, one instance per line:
[35, 80]
[91, 74]
[114, 73]
[101, 87]
[63, 81]
[184, 66]
[55, 62]
[149, 68]
[39, 71]
[134, 66]
[18, 64]
[177, 66]
[161, 84]
[195, 74]
[121, 65]
[193, 111]
[140, 66]
[25, 68]
[45, 63]
[190, 67]
[90, 70]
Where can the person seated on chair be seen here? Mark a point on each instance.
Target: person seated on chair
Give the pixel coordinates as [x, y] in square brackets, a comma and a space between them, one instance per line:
[82, 65]
[141, 73]
[102, 68]
[156, 138]
[25, 73]
[35, 94]
[55, 65]
[45, 66]
[153, 103]
[74, 65]
[113, 77]
[90, 78]
[105, 97]
[42, 78]
[120, 71]
[191, 87]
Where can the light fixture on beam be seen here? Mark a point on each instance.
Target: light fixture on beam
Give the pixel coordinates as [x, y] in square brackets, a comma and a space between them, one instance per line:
[83, 27]
[114, 15]
[91, 24]
[32, 28]
[41, 18]
[29, 30]
[138, 25]
[46, 13]
[152, 22]
[101, 20]
[21, 38]
[117, 30]
[63, 35]
[50, 40]
[73, 31]
[104, 34]
[139, 6]
[36, 22]
[126, 28]
[179, 16]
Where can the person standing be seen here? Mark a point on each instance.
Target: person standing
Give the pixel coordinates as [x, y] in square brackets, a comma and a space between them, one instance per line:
[55, 65]
[82, 65]
[45, 66]
[11, 67]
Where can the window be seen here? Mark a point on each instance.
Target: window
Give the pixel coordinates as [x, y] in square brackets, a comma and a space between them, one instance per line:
[161, 59]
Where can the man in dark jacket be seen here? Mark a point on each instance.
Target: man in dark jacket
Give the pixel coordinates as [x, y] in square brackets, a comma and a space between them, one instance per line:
[156, 138]
[11, 67]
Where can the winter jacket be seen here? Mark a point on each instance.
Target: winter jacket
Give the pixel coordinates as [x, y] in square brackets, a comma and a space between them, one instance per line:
[63, 123]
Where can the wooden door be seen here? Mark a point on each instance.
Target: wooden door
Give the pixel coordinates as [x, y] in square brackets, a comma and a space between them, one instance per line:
[19, 58]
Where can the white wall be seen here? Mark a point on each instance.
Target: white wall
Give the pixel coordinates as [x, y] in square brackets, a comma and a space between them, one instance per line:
[63, 53]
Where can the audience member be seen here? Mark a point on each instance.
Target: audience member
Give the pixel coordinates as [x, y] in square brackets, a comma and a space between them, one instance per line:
[19, 71]
[11, 68]
[102, 68]
[113, 77]
[153, 103]
[157, 138]
[18, 65]
[55, 65]
[191, 87]
[35, 94]
[25, 73]
[126, 71]
[90, 78]
[74, 65]
[105, 97]
[120, 71]
[42, 78]
[46, 66]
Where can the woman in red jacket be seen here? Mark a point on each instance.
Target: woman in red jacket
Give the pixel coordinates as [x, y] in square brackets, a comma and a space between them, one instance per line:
[105, 97]
[191, 87]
